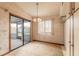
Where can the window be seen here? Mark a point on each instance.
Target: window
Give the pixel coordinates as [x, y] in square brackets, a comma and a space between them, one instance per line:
[48, 26]
[45, 26]
[41, 27]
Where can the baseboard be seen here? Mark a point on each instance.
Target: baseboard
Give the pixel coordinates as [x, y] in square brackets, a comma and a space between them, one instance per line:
[49, 42]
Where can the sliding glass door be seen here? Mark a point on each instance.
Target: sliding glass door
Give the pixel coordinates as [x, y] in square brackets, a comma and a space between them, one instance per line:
[20, 32]
[26, 31]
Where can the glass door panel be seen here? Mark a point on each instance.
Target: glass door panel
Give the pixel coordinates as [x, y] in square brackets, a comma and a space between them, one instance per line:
[16, 32]
[27, 26]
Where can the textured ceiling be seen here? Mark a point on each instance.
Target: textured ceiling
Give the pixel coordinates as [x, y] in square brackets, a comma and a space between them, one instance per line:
[44, 8]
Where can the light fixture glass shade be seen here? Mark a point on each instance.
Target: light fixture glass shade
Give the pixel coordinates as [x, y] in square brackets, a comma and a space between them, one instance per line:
[37, 19]
[34, 19]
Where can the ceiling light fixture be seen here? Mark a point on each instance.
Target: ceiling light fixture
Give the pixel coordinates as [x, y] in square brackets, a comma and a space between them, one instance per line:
[37, 19]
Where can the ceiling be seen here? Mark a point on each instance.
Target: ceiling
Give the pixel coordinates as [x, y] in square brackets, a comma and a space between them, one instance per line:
[44, 8]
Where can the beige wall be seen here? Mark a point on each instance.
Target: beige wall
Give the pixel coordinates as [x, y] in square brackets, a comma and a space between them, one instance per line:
[67, 36]
[76, 30]
[72, 37]
[56, 35]
[76, 33]
[4, 23]
[4, 31]
[67, 29]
